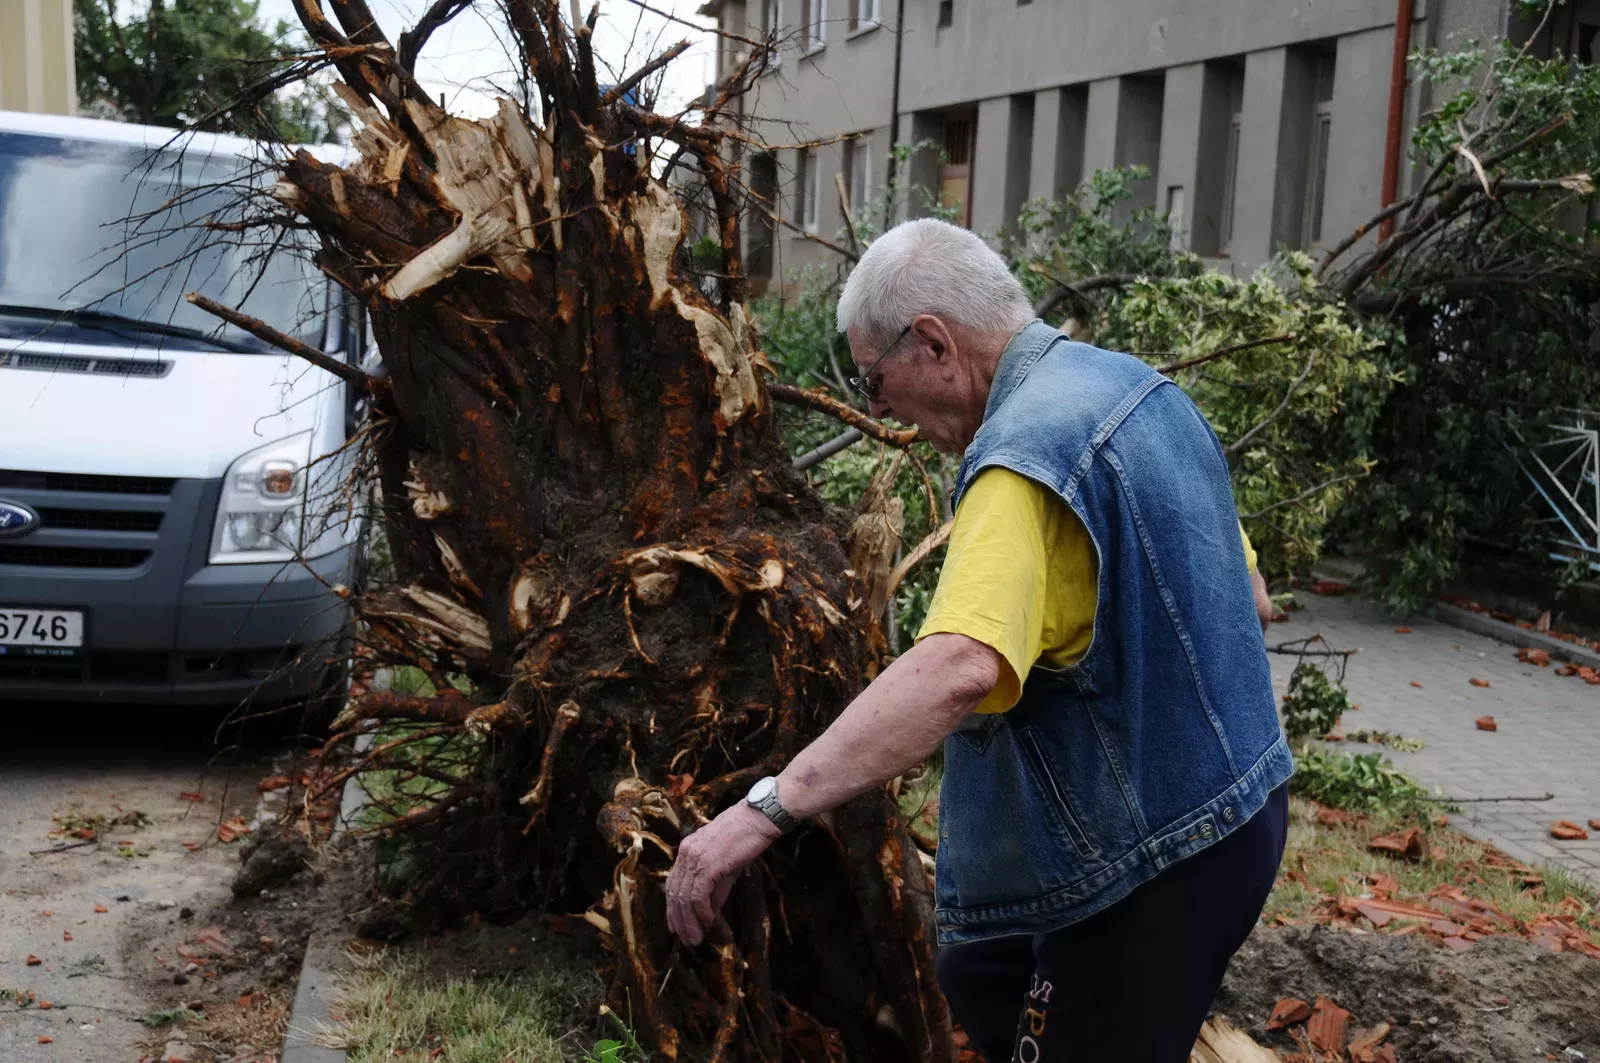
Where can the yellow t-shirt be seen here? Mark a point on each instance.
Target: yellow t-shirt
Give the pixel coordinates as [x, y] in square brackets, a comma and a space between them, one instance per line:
[1020, 578]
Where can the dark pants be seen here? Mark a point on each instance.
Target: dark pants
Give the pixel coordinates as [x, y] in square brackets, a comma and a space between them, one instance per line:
[1132, 983]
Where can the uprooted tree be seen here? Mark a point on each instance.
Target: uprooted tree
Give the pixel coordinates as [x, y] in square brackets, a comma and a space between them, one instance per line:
[627, 603]
[598, 537]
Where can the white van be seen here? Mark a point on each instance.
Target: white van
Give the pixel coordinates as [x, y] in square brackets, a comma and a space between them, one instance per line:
[173, 521]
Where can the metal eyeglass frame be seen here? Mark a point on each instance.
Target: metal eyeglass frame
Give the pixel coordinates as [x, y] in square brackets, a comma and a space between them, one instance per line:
[863, 383]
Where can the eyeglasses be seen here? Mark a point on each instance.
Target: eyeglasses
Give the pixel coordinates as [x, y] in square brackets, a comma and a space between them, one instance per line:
[864, 384]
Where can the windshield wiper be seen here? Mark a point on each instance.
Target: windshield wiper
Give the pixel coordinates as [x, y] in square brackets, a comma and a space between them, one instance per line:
[110, 321]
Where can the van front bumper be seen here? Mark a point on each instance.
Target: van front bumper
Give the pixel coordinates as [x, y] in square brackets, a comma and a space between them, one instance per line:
[170, 628]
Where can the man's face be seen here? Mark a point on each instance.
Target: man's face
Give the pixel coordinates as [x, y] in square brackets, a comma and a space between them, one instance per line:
[917, 380]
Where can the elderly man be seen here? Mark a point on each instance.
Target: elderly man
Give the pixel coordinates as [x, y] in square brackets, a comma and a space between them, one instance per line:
[1113, 808]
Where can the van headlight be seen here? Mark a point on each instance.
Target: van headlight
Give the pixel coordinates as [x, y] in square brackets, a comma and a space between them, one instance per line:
[268, 508]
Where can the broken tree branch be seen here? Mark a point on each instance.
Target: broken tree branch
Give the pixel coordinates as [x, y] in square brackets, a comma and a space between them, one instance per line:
[412, 40]
[633, 80]
[930, 542]
[1239, 444]
[843, 441]
[825, 403]
[1223, 352]
[263, 331]
[1302, 496]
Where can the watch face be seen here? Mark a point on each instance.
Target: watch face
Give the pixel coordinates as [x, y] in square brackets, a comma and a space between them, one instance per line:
[762, 790]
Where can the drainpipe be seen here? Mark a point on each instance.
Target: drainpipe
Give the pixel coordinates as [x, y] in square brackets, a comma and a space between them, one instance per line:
[1397, 111]
[894, 107]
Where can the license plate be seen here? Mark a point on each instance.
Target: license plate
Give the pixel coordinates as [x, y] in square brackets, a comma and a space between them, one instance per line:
[41, 628]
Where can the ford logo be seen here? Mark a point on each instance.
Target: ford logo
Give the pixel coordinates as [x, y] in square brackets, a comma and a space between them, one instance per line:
[16, 519]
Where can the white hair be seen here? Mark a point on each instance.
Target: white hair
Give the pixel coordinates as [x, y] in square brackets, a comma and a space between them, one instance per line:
[929, 266]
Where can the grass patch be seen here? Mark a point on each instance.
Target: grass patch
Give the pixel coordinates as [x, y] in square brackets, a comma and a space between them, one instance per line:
[1325, 860]
[395, 1008]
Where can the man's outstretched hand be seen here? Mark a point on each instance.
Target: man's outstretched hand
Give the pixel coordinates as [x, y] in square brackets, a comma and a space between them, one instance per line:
[708, 864]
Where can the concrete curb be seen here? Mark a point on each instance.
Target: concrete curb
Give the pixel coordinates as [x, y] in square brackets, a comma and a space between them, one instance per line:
[1488, 626]
[318, 984]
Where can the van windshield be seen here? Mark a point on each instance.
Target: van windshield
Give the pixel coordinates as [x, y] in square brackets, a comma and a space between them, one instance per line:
[118, 230]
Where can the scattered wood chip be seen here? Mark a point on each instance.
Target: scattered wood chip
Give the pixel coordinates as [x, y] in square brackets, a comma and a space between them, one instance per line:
[1221, 1041]
[1402, 631]
[1416, 684]
[1326, 1027]
[1288, 1011]
[274, 782]
[232, 830]
[1335, 817]
[101, 909]
[1594, 824]
[33, 961]
[1364, 1043]
[1568, 831]
[1486, 723]
[1529, 655]
[45, 1005]
[1407, 844]
[1475, 681]
[45, 1039]
[1386, 1054]
[1567, 669]
[193, 846]
[192, 796]
[1329, 588]
[66, 935]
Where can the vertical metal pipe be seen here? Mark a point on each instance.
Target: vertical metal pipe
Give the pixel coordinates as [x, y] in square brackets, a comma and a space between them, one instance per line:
[1397, 111]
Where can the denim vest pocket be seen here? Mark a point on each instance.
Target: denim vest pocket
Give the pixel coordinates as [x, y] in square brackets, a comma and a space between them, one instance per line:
[1060, 798]
[978, 729]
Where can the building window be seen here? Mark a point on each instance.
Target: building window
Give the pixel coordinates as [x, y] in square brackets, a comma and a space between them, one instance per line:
[810, 176]
[955, 172]
[947, 12]
[863, 13]
[858, 160]
[771, 17]
[1230, 160]
[759, 231]
[1317, 165]
[813, 17]
[1177, 209]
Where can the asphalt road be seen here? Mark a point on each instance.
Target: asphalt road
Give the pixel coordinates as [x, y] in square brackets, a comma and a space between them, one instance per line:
[68, 920]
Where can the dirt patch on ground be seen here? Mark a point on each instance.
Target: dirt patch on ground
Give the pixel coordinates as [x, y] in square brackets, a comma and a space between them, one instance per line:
[1502, 999]
[233, 963]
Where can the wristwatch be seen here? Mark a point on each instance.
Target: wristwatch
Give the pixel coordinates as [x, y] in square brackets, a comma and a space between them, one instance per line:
[764, 797]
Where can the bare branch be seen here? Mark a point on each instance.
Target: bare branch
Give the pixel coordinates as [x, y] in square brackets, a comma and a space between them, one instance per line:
[1239, 444]
[632, 81]
[263, 331]
[1189, 363]
[843, 441]
[825, 403]
[1307, 493]
[930, 542]
[412, 40]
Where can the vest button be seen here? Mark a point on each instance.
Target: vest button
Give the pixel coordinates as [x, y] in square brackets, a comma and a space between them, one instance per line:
[1228, 814]
[1205, 830]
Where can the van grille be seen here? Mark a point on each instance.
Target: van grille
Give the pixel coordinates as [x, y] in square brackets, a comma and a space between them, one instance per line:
[72, 556]
[71, 363]
[88, 483]
[100, 519]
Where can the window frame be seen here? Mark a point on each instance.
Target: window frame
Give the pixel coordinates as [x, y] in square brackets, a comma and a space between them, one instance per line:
[810, 190]
[865, 15]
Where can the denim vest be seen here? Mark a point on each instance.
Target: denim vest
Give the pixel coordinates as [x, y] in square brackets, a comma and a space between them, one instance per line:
[1164, 737]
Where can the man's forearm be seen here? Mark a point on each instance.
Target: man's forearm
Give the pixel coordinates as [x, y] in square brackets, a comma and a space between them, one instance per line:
[893, 725]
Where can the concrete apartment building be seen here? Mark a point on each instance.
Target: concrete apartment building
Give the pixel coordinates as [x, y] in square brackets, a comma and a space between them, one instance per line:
[36, 65]
[1263, 122]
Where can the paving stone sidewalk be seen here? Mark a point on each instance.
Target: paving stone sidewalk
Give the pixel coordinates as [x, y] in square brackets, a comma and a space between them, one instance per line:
[1549, 726]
